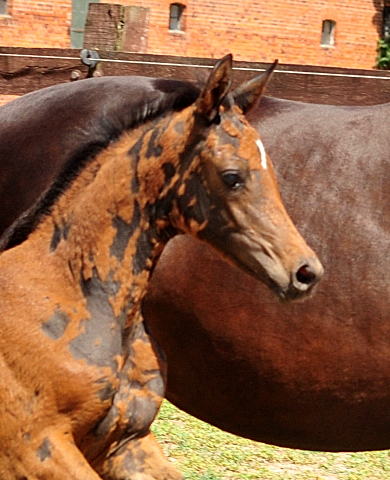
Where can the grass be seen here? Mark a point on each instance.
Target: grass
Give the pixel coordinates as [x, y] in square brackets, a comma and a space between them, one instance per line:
[202, 452]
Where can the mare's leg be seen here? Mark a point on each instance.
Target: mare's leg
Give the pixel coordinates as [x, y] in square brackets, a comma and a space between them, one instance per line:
[134, 453]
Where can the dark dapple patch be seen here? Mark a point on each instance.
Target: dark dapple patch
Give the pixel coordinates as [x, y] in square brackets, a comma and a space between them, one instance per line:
[143, 250]
[44, 451]
[169, 171]
[154, 149]
[56, 238]
[55, 327]
[100, 339]
[124, 232]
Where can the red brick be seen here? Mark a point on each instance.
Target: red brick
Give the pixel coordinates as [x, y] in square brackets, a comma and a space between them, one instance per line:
[253, 31]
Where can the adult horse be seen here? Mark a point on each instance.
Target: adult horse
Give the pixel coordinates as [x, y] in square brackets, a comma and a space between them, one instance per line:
[314, 375]
[80, 381]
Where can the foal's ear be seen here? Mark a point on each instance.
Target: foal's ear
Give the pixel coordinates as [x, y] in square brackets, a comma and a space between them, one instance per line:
[216, 88]
[247, 95]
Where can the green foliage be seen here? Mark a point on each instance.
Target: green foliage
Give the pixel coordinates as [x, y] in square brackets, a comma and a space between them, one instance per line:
[202, 452]
[383, 56]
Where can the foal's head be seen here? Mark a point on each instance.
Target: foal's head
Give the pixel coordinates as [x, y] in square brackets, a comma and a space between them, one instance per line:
[229, 196]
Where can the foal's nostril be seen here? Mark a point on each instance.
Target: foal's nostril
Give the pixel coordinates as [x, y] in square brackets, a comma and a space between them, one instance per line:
[306, 275]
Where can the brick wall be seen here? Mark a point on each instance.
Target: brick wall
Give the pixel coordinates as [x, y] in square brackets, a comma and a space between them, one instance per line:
[261, 31]
[36, 23]
[289, 30]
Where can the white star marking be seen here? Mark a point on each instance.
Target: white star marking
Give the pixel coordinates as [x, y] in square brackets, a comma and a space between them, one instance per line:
[262, 154]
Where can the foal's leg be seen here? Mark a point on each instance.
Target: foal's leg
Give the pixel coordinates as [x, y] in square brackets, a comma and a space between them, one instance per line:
[67, 463]
[135, 453]
[36, 443]
[57, 458]
[139, 459]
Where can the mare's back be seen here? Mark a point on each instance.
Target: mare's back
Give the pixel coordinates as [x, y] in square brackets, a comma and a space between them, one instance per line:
[40, 131]
[327, 130]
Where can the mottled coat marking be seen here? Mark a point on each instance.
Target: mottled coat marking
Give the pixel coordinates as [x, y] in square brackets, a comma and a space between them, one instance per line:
[81, 381]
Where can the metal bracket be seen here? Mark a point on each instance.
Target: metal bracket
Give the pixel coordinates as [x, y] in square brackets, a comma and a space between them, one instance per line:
[91, 59]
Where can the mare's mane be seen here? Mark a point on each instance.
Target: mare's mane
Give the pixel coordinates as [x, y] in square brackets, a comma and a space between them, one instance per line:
[170, 96]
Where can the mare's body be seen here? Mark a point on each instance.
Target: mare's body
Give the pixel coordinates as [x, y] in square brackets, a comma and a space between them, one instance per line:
[314, 375]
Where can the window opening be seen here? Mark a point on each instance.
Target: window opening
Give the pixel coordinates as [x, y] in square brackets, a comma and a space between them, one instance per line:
[3, 7]
[328, 29]
[176, 16]
[386, 23]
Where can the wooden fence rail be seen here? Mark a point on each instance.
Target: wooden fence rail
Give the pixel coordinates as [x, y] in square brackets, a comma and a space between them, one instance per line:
[26, 69]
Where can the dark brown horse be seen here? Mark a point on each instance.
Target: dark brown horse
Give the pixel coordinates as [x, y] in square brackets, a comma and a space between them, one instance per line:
[80, 381]
[314, 375]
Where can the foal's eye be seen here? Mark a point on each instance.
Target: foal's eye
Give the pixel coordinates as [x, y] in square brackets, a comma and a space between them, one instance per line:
[233, 179]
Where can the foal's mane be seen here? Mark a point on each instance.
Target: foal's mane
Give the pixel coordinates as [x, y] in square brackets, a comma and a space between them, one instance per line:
[168, 96]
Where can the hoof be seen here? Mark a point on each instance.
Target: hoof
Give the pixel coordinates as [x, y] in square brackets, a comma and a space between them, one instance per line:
[139, 459]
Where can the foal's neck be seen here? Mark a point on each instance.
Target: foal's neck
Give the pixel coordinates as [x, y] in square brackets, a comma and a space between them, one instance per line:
[112, 223]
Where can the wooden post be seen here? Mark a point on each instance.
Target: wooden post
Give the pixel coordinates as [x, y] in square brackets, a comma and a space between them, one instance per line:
[117, 28]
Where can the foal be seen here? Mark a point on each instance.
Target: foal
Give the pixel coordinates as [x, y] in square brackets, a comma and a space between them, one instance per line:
[81, 382]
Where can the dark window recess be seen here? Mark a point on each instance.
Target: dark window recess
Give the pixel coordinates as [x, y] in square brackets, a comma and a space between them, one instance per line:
[386, 22]
[328, 29]
[176, 16]
[3, 7]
